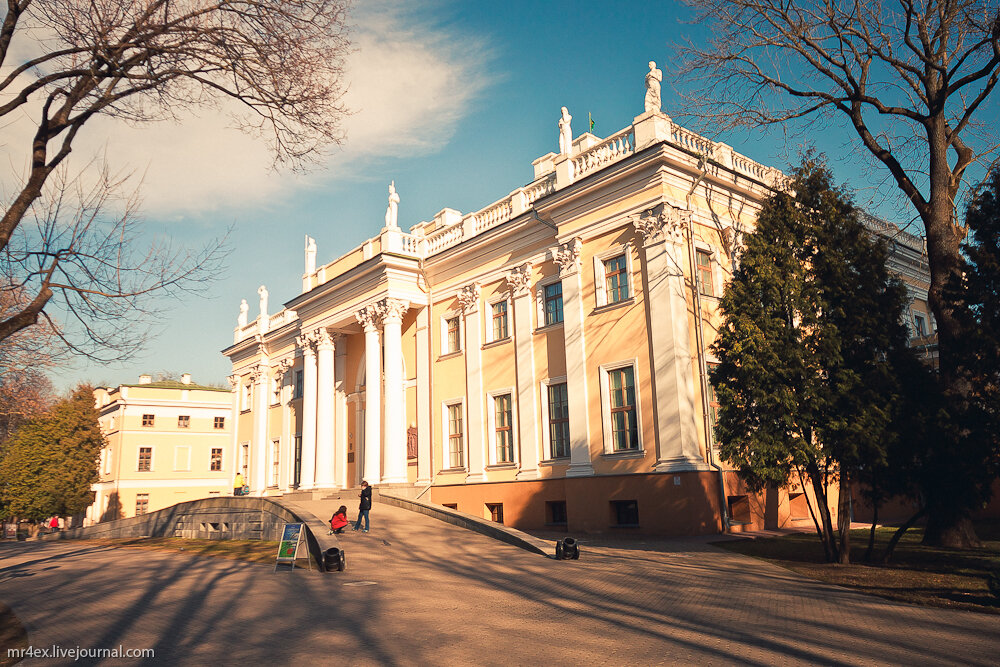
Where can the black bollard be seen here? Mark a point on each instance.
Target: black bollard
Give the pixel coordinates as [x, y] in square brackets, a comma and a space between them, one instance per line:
[567, 549]
[334, 559]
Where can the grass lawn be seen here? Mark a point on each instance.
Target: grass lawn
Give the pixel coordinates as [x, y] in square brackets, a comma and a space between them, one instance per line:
[254, 551]
[952, 578]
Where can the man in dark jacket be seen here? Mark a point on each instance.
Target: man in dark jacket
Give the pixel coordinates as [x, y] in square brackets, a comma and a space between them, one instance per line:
[365, 506]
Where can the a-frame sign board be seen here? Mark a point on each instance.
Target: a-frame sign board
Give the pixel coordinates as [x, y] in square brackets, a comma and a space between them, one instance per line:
[288, 548]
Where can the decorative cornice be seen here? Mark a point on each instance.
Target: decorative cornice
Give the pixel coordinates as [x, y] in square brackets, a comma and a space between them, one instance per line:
[393, 309]
[368, 317]
[519, 279]
[468, 296]
[568, 257]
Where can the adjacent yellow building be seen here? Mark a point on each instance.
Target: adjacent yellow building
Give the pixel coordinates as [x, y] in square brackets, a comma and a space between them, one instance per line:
[542, 361]
[167, 442]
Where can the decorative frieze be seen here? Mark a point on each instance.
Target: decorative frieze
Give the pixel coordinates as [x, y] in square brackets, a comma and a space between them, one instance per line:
[567, 256]
[468, 296]
[519, 279]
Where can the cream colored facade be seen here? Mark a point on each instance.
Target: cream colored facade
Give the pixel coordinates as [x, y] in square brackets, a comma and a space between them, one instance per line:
[167, 442]
[547, 354]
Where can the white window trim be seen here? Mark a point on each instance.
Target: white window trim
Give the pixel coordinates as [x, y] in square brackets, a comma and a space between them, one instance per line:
[505, 298]
[446, 445]
[246, 396]
[276, 387]
[715, 263]
[444, 332]
[274, 452]
[182, 463]
[152, 458]
[491, 425]
[546, 433]
[604, 370]
[540, 303]
[600, 277]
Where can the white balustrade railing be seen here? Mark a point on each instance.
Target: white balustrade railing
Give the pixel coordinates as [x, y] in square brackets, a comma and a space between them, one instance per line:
[539, 189]
[411, 244]
[692, 141]
[616, 147]
[444, 238]
[493, 215]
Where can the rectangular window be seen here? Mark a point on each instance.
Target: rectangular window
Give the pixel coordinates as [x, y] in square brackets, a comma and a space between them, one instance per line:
[558, 420]
[919, 324]
[616, 279]
[555, 512]
[454, 340]
[147, 420]
[297, 475]
[246, 397]
[624, 425]
[706, 282]
[275, 462]
[625, 512]
[216, 462]
[456, 450]
[245, 463]
[553, 303]
[298, 384]
[184, 421]
[504, 429]
[145, 459]
[220, 422]
[713, 401]
[496, 512]
[141, 503]
[499, 320]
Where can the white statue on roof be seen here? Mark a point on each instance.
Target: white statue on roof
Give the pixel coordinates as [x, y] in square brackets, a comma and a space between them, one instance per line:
[310, 255]
[653, 79]
[262, 291]
[392, 211]
[241, 321]
[565, 132]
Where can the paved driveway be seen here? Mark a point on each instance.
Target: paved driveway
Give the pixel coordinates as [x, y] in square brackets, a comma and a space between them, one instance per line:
[421, 592]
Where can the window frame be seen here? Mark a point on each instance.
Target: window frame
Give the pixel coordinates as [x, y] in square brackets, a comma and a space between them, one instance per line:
[216, 423]
[494, 428]
[149, 420]
[706, 283]
[183, 421]
[215, 458]
[600, 275]
[145, 504]
[491, 329]
[246, 396]
[139, 457]
[448, 453]
[446, 347]
[547, 418]
[605, 371]
[274, 463]
[541, 311]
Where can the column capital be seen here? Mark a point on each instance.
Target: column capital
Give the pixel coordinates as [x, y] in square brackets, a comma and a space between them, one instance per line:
[234, 381]
[662, 222]
[258, 372]
[568, 257]
[519, 280]
[393, 310]
[306, 342]
[368, 317]
[283, 367]
[324, 339]
[468, 296]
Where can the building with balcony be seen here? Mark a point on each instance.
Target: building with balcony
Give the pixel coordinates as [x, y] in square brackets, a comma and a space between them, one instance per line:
[542, 361]
[167, 442]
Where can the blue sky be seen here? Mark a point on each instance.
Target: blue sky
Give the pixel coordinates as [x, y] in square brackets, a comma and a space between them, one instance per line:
[451, 99]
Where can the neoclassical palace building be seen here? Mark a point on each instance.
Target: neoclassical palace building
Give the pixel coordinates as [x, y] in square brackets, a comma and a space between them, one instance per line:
[542, 361]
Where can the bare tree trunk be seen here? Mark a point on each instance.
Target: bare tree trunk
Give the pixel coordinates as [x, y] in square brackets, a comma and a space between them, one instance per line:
[870, 551]
[844, 519]
[899, 534]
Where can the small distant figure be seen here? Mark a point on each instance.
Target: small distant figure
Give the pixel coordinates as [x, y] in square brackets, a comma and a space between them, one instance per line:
[365, 506]
[653, 79]
[54, 524]
[392, 212]
[238, 484]
[565, 132]
[244, 313]
[338, 521]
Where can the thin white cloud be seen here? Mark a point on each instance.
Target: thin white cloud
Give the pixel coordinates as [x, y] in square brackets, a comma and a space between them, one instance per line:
[410, 83]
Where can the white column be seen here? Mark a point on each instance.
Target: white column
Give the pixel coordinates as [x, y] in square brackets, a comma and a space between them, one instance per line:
[324, 410]
[259, 464]
[475, 434]
[663, 251]
[568, 257]
[306, 342]
[395, 399]
[424, 436]
[283, 370]
[524, 360]
[369, 318]
[340, 411]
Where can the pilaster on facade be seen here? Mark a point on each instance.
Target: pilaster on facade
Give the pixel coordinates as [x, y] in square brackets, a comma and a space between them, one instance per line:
[524, 360]
[424, 432]
[283, 375]
[340, 436]
[369, 318]
[469, 298]
[260, 377]
[567, 256]
[325, 473]
[306, 342]
[662, 230]
[395, 471]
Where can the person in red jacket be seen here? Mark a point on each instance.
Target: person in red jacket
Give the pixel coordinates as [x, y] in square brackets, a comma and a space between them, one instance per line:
[338, 520]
